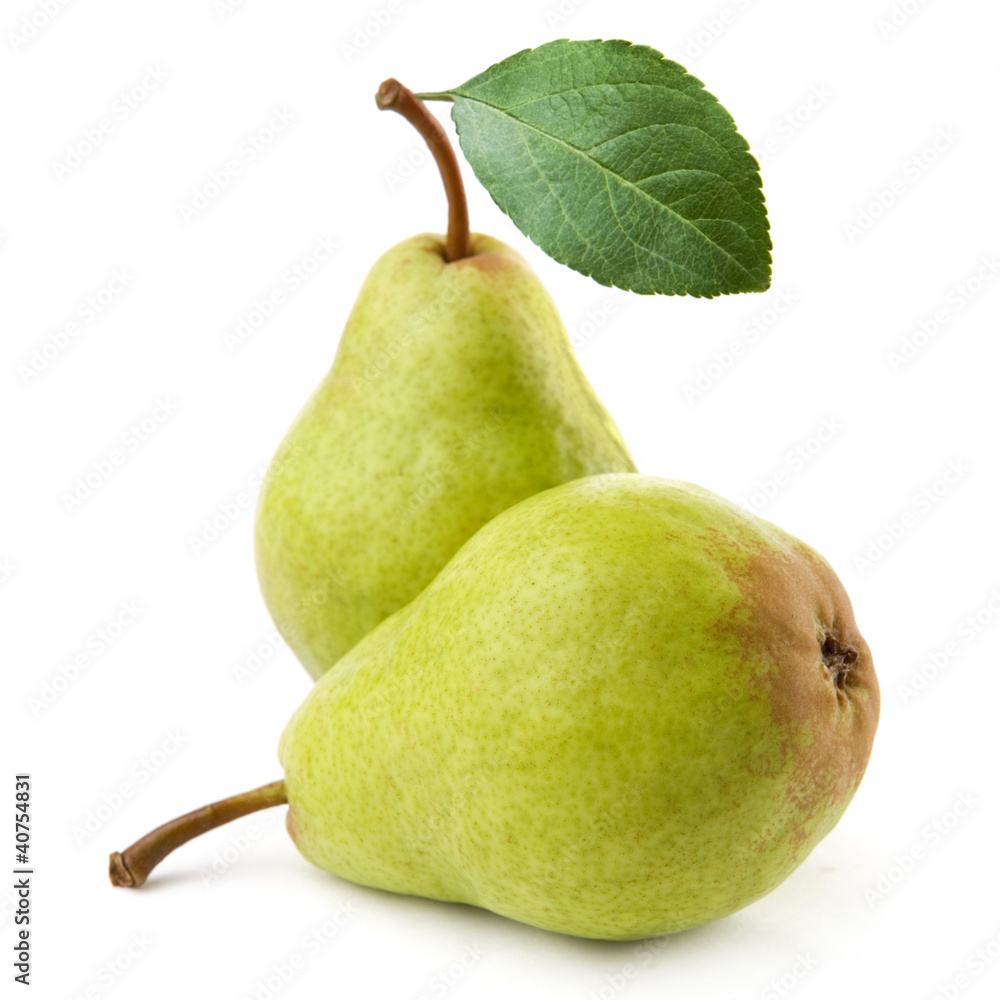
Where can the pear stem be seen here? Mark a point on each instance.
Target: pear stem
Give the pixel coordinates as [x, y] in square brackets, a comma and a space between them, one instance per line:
[131, 867]
[393, 96]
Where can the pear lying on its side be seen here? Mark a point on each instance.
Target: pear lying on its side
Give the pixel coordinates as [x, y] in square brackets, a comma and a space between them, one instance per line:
[455, 393]
[626, 707]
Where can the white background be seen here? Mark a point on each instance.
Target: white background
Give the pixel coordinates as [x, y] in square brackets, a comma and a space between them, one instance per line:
[887, 905]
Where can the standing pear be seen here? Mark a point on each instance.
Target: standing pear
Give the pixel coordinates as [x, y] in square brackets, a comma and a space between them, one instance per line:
[454, 394]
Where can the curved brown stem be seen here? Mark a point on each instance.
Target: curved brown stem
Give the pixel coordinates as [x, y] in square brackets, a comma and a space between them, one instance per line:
[131, 867]
[393, 96]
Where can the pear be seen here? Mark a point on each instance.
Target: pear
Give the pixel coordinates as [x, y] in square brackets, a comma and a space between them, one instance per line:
[626, 707]
[454, 394]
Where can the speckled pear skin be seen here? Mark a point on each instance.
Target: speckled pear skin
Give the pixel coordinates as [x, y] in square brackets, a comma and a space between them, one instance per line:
[454, 394]
[626, 707]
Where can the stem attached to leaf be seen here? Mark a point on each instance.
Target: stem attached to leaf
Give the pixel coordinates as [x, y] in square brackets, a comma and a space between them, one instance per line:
[131, 868]
[393, 96]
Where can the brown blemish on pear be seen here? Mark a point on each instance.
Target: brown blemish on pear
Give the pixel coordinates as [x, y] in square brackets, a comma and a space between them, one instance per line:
[821, 685]
[815, 670]
[487, 262]
[482, 258]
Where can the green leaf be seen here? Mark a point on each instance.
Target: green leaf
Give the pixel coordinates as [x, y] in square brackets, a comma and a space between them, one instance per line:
[618, 163]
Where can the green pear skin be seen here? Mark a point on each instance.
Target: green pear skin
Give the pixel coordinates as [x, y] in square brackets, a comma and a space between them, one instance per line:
[626, 707]
[454, 394]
